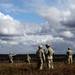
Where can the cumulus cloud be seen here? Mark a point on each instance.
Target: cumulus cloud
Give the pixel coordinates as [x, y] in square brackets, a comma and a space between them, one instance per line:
[10, 31]
[32, 28]
[60, 22]
[49, 13]
[8, 25]
[67, 34]
[57, 28]
[69, 16]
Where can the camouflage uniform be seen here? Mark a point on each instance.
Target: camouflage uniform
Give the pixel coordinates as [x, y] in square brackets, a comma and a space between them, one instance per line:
[10, 58]
[69, 56]
[28, 59]
[50, 57]
[41, 57]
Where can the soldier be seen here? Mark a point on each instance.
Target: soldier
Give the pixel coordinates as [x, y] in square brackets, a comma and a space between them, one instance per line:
[28, 58]
[41, 57]
[10, 58]
[69, 56]
[50, 53]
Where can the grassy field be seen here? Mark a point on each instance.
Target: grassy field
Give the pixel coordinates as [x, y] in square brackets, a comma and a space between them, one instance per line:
[26, 69]
[21, 68]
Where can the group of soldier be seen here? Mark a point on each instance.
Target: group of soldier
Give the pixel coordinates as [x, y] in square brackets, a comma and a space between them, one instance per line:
[46, 55]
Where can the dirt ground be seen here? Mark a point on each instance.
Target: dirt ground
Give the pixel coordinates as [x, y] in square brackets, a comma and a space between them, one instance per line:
[31, 69]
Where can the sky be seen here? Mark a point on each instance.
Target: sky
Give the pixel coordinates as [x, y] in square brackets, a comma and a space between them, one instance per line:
[25, 24]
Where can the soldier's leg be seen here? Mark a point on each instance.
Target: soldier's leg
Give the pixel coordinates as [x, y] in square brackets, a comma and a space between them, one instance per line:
[49, 64]
[52, 64]
[71, 60]
[11, 60]
[29, 61]
[41, 65]
[68, 60]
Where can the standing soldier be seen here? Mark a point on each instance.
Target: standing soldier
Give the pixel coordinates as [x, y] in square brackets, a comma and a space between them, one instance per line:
[69, 56]
[28, 59]
[10, 57]
[41, 57]
[50, 53]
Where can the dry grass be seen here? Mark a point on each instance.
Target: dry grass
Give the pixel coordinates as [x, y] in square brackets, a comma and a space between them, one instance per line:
[25, 69]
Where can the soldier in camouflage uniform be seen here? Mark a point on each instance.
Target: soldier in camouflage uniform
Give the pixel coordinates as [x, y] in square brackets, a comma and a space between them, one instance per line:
[41, 56]
[28, 59]
[69, 56]
[10, 57]
[50, 53]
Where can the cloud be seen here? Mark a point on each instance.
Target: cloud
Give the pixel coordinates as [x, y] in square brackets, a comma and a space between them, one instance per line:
[32, 28]
[69, 16]
[8, 25]
[49, 13]
[67, 34]
[54, 17]
[14, 32]
[56, 29]
[10, 29]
